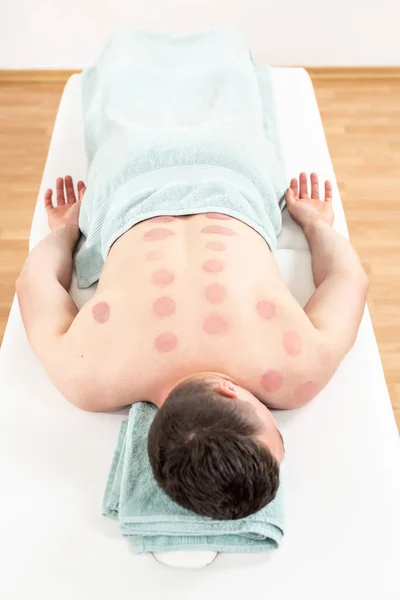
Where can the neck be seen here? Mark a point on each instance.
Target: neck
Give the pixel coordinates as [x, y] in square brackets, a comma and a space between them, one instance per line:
[162, 394]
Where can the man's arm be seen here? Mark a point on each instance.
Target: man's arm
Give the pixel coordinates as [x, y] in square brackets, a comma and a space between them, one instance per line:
[42, 288]
[47, 309]
[337, 305]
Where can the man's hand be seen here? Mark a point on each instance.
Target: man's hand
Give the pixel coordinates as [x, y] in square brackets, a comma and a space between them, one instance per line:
[336, 307]
[67, 210]
[306, 210]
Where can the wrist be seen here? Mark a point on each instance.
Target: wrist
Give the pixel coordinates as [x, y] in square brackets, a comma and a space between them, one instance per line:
[315, 225]
[66, 232]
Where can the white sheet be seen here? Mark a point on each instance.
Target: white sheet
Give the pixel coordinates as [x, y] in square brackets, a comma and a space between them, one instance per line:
[341, 473]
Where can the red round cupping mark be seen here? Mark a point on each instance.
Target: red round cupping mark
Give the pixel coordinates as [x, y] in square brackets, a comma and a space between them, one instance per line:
[215, 293]
[265, 309]
[213, 266]
[215, 324]
[164, 307]
[219, 229]
[323, 355]
[157, 234]
[155, 254]
[218, 246]
[163, 277]
[165, 342]
[292, 343]
[162, 219]
[219, 216]
[101, 312]
[305, 392]
[271, 381]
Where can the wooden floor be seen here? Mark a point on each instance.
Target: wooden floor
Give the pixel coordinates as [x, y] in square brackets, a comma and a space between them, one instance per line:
[362, 124]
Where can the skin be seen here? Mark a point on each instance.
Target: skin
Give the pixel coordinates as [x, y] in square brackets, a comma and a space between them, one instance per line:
[251, 339]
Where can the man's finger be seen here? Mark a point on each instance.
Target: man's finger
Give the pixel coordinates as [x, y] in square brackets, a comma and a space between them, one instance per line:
[328, 191]
[81, 190]
[295, 187]
[303, 186]
[314, 186]
[69, 188]
[289, 196]
[60, 191]
[47, 199]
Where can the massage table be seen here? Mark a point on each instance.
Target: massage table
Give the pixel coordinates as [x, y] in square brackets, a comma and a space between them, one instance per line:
[341, 474]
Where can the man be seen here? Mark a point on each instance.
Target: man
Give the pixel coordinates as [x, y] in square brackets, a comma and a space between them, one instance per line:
[191, 313]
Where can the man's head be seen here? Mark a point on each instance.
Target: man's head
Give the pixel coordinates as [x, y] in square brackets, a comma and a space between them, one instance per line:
[215, 449]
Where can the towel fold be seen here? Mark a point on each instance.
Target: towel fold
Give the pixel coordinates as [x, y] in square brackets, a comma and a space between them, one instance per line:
[154, 523]
[176, 124]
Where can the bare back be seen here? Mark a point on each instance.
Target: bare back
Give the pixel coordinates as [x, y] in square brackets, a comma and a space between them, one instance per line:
[191, 294]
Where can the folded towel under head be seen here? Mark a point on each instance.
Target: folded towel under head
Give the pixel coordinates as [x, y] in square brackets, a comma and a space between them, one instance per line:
[177, 124]
[154, 523]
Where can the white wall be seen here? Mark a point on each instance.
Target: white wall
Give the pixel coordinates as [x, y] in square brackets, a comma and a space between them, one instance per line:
[69, 33]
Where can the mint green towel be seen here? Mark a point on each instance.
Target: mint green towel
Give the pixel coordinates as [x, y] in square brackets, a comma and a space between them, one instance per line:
[177, 124]
[154, 523]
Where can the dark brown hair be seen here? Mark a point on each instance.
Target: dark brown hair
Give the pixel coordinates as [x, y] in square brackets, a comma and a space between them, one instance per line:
[205, 455]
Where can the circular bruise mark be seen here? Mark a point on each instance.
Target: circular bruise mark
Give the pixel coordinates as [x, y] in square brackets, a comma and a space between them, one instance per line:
[160, 233]
[215, 324]
[213, 265]
[165, 342]
[163, 277]
[292, 343]
[215, 293]
[101, 312]
[218, 229]
[271, 381]
[164, 306]
[265, 309]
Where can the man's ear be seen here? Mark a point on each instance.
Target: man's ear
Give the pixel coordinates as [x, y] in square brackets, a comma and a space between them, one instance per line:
[226, 388]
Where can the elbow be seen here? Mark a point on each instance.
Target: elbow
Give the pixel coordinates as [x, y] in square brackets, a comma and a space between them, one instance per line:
[22, 283]
[23, 276]
[365, 283]
[19, 284]
[354, 272]
[363, 280]
[359, 282]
